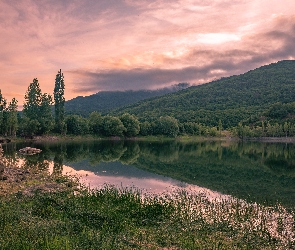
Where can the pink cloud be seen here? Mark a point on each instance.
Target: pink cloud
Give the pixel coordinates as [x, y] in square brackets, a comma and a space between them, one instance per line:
[105, 45]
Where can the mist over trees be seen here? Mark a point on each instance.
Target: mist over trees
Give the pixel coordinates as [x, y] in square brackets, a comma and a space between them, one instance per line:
[106, 101]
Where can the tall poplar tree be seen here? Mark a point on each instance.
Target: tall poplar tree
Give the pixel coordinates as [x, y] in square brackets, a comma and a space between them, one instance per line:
[59, 102]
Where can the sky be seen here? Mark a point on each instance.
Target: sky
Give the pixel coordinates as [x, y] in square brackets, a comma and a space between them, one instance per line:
[103, 45]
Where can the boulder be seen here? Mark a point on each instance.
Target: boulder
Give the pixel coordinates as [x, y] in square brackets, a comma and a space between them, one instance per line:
[29, 151]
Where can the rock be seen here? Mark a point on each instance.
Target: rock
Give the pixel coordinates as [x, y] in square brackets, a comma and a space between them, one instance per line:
[29, 151]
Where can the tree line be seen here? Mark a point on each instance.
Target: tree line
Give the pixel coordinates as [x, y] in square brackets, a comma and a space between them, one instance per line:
[44, 113]
[128, 125]
[37, 117]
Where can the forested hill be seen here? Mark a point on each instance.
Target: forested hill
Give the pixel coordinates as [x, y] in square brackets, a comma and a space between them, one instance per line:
[231, 100]
[107, 100]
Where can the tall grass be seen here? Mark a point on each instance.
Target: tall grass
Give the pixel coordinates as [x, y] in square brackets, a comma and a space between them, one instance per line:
[112, 218]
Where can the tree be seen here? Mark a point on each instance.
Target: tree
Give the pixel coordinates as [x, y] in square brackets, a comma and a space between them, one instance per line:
[192, 128]
[33, 99]
[286, 128]
[271, 130]
[37, 108]
[3, 103]
[145, 128]
[28, 127]
[77, 125]
[59, 102]
[131, 124]
[8, 116]
[220, 127]
[167, 125]
[95, 123]
[112, 126]
[12, 117]
[45, 114]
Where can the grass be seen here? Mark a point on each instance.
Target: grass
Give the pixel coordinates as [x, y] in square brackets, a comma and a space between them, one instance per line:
[112, 218]
[149, 138]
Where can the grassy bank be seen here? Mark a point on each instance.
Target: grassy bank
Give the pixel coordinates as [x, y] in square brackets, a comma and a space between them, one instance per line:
[152, 138]
[123, 219]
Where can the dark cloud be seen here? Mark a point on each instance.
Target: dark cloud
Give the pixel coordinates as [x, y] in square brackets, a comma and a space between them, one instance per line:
[138, 78]
[219, 63]
[153, 78]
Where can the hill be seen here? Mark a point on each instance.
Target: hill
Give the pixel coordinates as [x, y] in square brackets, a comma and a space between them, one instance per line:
[105, 101]
[233, 99]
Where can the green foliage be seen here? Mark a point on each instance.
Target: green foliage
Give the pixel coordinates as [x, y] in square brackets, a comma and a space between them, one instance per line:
[192, 128]
[77, 125]
[105, 101]
[8, 116]
[166, 125]
[33, 99]
[112, 126]
[277, 111]
[37, 109]
[59, 102]
[95, 123]
[45, 116]
[276, 130]
[145, 128]
[12, 120]
[28, 127]
[131, 124]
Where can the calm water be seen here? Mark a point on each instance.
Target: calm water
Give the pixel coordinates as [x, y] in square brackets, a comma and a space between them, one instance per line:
[257, 172]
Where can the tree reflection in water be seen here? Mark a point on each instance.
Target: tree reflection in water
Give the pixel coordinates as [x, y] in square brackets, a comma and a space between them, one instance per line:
[260, 172]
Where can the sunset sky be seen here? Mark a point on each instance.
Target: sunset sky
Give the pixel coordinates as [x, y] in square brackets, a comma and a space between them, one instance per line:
[128, 44]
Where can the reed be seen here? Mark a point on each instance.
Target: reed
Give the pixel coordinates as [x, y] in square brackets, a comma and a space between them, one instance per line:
[125, 218]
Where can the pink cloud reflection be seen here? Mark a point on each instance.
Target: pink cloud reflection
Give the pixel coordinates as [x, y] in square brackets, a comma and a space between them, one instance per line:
[156, 185]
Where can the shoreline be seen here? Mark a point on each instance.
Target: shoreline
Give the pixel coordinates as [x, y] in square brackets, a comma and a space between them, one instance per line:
[182, 138]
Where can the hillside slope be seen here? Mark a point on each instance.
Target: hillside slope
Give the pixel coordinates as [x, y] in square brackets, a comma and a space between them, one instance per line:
[106, 100]
[230, 99]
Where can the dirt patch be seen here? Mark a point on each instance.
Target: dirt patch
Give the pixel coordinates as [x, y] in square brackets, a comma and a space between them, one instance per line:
[45, 138]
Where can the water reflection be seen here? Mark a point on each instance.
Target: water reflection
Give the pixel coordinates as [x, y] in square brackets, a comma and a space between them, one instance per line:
[254, 171]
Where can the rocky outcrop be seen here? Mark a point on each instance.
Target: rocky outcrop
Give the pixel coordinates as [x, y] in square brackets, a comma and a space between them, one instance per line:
[29, 151]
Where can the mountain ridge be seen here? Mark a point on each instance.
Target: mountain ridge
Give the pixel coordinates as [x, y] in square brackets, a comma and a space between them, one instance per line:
[105, 101]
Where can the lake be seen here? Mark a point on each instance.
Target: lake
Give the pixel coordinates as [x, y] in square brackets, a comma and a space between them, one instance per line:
[253, 171]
